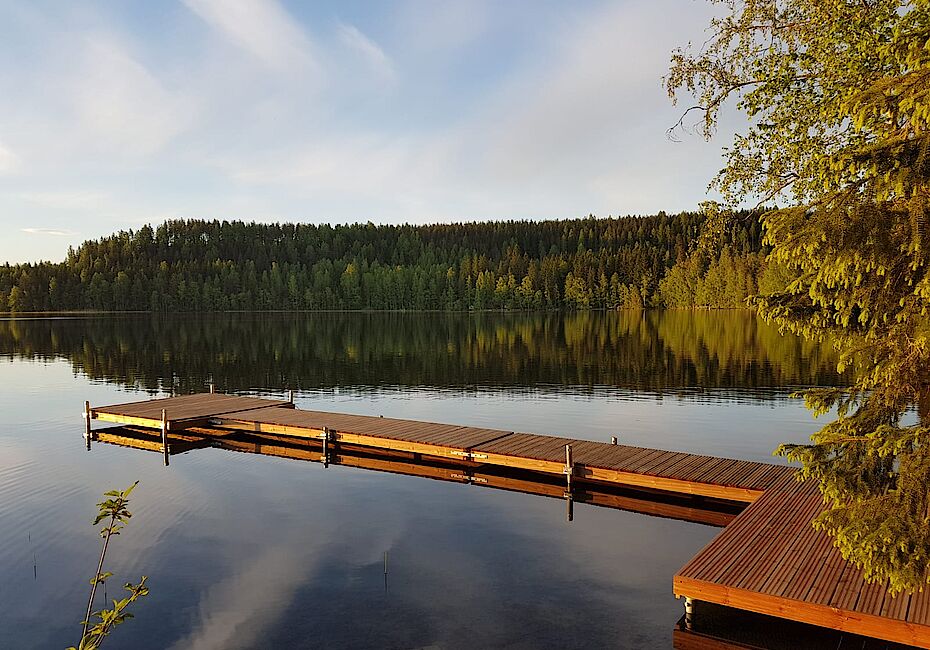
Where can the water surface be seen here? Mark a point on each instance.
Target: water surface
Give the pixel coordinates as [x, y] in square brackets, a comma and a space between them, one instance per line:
[247, 551]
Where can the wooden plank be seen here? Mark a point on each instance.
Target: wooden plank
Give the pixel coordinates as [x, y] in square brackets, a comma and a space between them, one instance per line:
[813, 613]
[668, 484]
[919, 610]
[186, 410]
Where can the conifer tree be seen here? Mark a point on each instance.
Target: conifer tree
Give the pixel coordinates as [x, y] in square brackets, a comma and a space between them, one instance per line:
[838, 98]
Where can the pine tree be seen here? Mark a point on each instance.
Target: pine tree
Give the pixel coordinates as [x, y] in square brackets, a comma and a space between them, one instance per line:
[838, 96]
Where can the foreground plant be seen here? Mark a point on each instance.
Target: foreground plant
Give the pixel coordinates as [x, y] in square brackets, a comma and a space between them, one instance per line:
[114, 512]
[837, 93]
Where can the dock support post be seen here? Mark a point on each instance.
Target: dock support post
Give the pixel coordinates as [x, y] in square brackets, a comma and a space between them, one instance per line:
[613, 440]
[164, 435]
[290, 396]
[212, 388]
[569, 468]
[569, 472]
[87, 433]
[326, 436]
[689, 611]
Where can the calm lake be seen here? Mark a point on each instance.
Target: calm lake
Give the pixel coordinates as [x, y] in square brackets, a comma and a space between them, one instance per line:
[248, 551]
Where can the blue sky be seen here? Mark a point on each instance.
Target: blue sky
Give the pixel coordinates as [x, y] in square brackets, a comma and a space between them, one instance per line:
[116, 114]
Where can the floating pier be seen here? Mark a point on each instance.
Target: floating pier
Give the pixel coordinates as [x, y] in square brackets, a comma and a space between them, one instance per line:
[700, 510]
[675, 472]
[768, 559]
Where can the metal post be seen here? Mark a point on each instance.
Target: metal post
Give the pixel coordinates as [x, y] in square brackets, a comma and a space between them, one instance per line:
[569, 507]
[613, 440]
[164, 435]
[689, 611]
[87, 433]
[290, 396]
[212, 388]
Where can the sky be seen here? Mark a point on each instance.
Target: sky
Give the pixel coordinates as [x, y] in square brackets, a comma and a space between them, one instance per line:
[117, 114]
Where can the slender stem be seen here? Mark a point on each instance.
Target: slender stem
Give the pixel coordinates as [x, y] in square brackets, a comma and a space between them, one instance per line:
[103, 552]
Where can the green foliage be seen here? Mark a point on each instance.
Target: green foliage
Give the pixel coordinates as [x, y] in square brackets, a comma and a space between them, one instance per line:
[114, 511]
[727, 281]
[110, 618]
[211, 265]
[838, 96]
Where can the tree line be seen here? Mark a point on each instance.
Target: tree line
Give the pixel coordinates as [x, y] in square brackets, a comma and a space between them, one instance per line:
[196, 265]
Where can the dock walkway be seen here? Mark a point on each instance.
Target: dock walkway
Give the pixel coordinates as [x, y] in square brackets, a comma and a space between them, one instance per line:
[711, 512]
[676, 472]
[770, 560]
[767, 560]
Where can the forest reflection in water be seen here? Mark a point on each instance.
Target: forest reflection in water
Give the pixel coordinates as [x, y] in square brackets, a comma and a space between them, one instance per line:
[652, 351]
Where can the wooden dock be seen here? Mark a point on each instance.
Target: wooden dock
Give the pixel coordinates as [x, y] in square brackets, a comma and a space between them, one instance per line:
[675, 472]
[699, 510]
[767, 560]
[770, 560]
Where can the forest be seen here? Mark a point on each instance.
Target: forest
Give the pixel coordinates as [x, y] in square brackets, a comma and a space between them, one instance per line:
[577, 264]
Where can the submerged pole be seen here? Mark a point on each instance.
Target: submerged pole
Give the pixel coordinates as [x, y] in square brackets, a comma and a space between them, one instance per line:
[164, 435]
[87, 432]
[689, 612]
[385, 572]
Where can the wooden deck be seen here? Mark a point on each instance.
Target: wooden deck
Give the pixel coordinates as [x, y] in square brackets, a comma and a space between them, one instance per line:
[771, 561]
[183, 411]
[683, 508]
[675, 472]
[597, 461]
[768, 560]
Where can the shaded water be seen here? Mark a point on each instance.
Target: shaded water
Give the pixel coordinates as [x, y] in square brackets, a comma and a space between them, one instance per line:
[247, 551]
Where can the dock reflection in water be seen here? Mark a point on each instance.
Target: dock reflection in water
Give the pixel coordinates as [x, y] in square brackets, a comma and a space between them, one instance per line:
[712, 512]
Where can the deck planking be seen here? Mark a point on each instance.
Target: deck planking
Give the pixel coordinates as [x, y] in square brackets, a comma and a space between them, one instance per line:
[637, 467]
[598, 461]
[770, 560]
[653, 504]
[182, 411]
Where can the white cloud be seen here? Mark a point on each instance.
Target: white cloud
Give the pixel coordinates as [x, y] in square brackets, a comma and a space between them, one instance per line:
[582, 129]
[54, 232]
[598, 89]
[261, 27]
[9, 161]
[338, 163]
[374, 56]
[436, 28]
[77, 200]
[121, 106]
